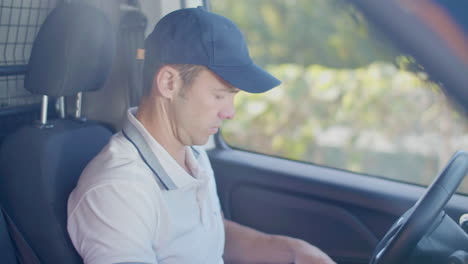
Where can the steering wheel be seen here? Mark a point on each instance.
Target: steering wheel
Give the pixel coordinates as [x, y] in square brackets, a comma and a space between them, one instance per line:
[406, 232]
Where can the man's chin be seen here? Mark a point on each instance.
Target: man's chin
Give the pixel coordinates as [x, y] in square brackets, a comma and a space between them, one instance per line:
[200, 141]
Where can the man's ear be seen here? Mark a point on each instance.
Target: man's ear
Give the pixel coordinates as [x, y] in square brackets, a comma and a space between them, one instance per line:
[167, 82]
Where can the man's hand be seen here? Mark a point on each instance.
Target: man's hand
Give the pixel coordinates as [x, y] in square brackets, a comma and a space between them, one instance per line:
[246, 245]
[305, 253]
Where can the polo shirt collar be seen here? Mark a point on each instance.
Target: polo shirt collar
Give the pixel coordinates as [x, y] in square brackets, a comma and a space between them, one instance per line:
[177, 174]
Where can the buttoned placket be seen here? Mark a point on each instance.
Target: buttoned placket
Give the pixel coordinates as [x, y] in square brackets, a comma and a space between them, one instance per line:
[201, 186]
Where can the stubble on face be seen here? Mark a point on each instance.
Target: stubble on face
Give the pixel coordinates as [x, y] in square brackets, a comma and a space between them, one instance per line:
[196, 112]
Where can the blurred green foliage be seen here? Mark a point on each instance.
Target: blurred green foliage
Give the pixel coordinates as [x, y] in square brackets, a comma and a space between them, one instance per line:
[348, 100]
[331, 33]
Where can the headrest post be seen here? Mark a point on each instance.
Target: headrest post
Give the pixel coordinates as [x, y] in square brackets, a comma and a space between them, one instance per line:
[42, 123]
[79, 100]
[78, 106]
[45, 102]
[61, 107]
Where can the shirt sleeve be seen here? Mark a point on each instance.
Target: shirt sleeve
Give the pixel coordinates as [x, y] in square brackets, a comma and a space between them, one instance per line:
[115, 223]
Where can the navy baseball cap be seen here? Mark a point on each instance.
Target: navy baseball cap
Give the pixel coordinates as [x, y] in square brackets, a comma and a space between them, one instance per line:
[196, 36]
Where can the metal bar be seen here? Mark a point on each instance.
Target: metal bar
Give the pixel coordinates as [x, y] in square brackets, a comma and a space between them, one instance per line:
[37, 24]
[4, 48]
[8, 90]
[20, 109]
[26, 34]
[78, 105]
[17, 33]
[17, 7]
[61, 107]
[17, 25]
[14, 92]
[7, 36]
[15, 43]
[49, 6]
[45, 100]
[13, 70]
[23, 18]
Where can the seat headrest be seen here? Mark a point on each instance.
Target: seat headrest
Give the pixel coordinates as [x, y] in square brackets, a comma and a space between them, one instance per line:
[73, 51]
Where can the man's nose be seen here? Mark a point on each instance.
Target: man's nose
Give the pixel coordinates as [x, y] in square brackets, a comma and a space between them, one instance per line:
[228, 112]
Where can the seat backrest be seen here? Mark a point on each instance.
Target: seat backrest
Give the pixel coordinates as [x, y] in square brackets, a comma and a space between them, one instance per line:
[41, 168]
[40, 165]
[7, 250]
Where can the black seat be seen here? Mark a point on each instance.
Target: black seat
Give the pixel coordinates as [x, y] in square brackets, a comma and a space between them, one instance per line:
[40, 163]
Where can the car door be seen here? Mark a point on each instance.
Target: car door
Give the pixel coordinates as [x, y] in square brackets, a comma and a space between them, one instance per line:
[346, 144]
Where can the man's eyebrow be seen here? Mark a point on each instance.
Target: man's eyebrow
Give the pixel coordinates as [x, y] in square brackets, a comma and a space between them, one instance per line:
[233, 89]
[229, 88]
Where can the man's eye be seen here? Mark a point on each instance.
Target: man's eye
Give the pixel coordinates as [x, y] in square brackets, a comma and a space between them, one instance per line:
[219, 97]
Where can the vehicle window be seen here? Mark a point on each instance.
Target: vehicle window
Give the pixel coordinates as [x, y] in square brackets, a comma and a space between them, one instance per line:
[349, 99]
[19, 24]
[192, 3]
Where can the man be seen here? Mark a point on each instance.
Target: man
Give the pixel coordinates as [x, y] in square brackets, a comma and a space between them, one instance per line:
[150, 196]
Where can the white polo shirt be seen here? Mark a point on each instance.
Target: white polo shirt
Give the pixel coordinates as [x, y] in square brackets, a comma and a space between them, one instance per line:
[118, 213]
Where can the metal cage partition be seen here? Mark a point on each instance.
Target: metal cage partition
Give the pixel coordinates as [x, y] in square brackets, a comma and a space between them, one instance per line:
[20, 21]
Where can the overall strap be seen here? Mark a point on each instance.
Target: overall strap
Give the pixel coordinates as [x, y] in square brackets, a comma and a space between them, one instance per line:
[195, 152]
[132, 134]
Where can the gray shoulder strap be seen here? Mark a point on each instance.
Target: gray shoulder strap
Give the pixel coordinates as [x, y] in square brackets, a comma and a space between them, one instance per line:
[134, 136]
[196, 153]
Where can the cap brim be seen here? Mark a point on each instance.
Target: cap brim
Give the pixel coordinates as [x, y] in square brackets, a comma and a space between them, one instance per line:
[250, 78]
